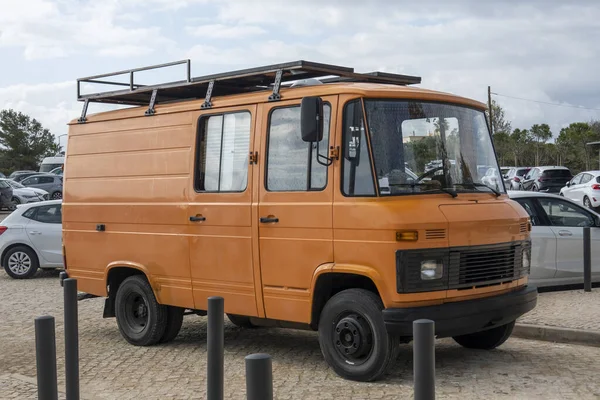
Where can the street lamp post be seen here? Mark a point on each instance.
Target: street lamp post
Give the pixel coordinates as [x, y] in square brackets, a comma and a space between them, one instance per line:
[58, 138]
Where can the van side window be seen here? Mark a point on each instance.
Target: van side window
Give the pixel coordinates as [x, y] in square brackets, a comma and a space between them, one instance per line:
[292, 163]
[356, 169]
[223, 148]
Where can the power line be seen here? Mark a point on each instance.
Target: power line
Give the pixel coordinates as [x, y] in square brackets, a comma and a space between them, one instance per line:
[546, 102]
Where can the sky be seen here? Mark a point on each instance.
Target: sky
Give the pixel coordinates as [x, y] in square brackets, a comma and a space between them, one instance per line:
[543, 50]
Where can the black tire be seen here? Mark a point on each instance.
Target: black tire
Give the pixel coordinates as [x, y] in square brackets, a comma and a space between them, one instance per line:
[21, 262]
[534, 188]
[587, 203]
[174, 322]
[15, 200]
[141, 320]
[240, 321]
[353, 337]
[56, 196]
[486, 340]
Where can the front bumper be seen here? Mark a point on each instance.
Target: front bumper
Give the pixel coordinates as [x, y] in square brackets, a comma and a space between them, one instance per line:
[463, 317]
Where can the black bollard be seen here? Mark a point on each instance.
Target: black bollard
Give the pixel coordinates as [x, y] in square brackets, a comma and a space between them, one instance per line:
[71, 339]
[214, 349]
[424, 359]
[587, 260]
[259, 377]
[45, 356]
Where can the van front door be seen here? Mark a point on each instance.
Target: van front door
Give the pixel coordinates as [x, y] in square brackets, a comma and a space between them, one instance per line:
[220, 221]
[294, 210]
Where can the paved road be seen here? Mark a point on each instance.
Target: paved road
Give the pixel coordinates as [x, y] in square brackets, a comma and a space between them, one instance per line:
[112, 369]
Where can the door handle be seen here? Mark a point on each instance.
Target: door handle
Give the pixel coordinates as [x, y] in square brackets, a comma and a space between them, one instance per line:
[197, 218]
[565, 233]
[35, 232]
[269, 219]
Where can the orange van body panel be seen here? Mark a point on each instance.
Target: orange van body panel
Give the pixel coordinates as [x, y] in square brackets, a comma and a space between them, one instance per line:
[135, 174]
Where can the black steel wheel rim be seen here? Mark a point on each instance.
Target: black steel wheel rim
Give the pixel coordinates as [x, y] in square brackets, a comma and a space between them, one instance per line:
[136, 312]
[352, 338]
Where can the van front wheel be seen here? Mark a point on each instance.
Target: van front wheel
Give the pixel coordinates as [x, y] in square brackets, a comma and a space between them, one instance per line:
[141, 319]
[488, 339]
[353, 337]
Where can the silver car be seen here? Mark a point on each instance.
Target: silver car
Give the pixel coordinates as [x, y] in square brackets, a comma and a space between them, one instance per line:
[53, 184]
[584, 189]
[557, 238]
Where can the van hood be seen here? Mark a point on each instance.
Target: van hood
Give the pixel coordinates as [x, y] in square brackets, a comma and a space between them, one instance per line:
[481, 223]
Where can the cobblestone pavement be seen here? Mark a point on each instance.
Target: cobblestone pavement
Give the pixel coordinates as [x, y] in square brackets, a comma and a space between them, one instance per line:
[113, 369]
[567, 309]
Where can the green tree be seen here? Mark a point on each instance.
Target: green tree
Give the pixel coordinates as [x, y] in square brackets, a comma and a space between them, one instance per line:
[24, 141]
[499, 122]
[540, 135]
[574, 138]
[518, 145]
[502, 145]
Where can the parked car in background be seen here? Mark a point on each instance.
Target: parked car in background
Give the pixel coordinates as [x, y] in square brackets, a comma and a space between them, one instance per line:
[53, 184]
[557, 238]
[504, 170]
[31, 238]
[546, 179]
[50, 163]
[14, 174]
[6, 195]
[514, 176]
[57, 171]
[23, 195]
[21, 176]
[584, 189]
[492, 179]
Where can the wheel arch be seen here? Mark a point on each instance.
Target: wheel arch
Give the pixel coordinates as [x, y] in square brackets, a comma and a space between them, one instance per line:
[116, 273]
[12, 246]
[329, 281]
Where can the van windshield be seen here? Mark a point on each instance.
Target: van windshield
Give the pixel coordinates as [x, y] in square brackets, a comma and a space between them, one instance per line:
[446, 146]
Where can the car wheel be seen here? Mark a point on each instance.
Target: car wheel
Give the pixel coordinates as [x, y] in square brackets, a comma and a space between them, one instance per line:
[488, 339]
[141, 319]
[21, 262]
[587, 203]
[56, 196]
[353, 338]
[534, 188]
[240, 321]
[15, 201]
[174, 322]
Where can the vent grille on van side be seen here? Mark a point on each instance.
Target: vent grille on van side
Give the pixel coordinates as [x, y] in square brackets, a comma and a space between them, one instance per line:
[523, 227]
[432, 234]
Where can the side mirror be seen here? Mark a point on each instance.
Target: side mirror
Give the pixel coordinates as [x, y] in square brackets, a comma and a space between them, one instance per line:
[568, 183]
[311, 119]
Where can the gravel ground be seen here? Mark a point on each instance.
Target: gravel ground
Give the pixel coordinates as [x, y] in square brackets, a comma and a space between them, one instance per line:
[112, 369]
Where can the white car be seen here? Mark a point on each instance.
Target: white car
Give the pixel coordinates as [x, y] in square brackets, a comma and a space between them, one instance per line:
[557, 238]
[31, 238]
[24, 195]
[584, 189]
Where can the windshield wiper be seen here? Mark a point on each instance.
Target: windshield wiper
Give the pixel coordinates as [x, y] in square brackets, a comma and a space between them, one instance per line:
[445, 190]
[479, 185]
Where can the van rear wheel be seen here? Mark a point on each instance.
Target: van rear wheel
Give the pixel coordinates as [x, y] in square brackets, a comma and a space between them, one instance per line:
[141, 319]
[488, 339]
[240, 321]
[353, 337]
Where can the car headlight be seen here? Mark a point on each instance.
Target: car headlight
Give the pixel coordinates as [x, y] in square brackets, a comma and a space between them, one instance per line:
[431, 269]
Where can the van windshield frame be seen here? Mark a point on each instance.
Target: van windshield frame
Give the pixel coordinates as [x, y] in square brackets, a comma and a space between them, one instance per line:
[447, 145]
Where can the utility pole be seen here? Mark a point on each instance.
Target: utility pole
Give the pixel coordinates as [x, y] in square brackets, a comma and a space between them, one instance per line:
[490, 109]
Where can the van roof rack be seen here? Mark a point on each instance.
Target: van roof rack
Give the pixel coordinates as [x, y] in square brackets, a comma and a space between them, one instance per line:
[227, 83]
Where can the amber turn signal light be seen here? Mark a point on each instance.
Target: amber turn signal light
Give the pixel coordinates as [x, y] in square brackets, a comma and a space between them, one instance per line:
[410, 236]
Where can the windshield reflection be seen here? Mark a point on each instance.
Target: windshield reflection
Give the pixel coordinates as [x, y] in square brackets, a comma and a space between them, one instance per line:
[431, 147]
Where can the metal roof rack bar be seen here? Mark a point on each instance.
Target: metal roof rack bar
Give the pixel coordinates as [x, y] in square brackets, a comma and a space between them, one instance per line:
[233, 82]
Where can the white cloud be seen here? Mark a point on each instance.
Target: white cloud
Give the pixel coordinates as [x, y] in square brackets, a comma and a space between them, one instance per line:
[220, 31]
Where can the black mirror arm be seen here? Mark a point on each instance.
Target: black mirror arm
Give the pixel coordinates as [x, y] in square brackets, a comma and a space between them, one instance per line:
[328, 161]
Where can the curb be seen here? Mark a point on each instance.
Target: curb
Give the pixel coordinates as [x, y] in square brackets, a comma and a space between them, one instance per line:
[556, 334]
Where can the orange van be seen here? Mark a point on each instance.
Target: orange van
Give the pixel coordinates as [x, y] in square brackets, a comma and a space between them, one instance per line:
[307, 196]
